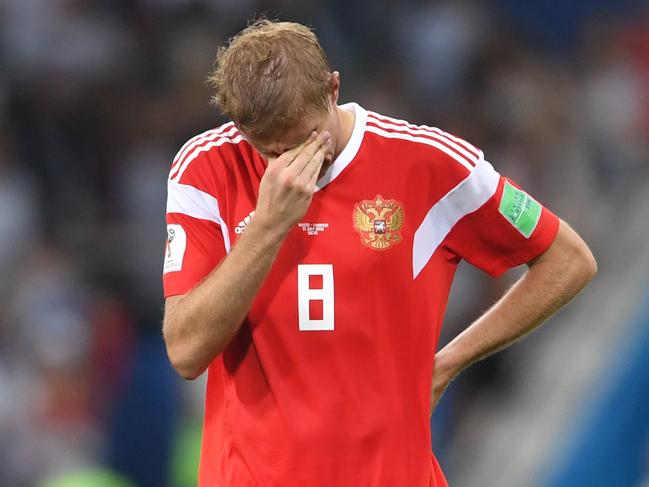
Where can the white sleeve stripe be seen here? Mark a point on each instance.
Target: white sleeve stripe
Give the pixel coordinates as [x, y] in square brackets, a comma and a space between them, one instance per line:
[429, 133]
[202, 141]
[465, 198]
[197, 139]
[226, 236]
[422, 140]
[190, 201]
[462, 142]
[227, 130]
[471, 148]
[203, 148]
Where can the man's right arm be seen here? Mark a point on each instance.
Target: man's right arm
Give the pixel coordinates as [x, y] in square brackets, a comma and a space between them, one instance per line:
[200, 324]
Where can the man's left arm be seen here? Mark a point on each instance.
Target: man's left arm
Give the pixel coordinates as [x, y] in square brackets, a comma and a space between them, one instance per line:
[552, 280]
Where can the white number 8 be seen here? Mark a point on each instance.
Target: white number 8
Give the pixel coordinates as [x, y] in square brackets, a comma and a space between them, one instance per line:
[307, 294]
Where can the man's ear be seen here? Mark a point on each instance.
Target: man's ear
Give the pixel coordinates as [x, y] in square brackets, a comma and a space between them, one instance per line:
[334, 87]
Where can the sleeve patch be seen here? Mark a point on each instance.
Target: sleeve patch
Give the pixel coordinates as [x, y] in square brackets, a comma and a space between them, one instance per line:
[175, 249]
[520, 209]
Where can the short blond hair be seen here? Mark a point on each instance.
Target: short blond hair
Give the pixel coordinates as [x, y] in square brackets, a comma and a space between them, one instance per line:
[271, 75]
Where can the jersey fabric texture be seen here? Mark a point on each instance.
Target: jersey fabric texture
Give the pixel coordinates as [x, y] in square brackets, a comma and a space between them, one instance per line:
[328, 381]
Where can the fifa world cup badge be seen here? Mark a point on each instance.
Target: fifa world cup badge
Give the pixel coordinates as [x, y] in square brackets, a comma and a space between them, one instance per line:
[176, 246]
[379, 222]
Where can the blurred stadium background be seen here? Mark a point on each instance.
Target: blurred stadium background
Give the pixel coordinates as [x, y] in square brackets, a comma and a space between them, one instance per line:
[97, 96]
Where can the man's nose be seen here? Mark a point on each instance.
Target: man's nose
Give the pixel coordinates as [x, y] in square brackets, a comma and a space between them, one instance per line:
[275, 153]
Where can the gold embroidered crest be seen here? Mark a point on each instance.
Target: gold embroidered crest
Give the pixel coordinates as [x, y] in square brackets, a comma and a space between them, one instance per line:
[378, 222]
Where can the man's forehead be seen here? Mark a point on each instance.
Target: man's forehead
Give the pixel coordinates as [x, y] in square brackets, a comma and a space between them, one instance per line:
[286, 138]
[289, 136]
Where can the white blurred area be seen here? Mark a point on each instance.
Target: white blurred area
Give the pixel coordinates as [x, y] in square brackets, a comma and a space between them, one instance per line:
[96, 97]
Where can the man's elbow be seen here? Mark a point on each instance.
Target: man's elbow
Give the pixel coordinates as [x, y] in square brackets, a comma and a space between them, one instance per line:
[183, 364]
[187, 370]
[591, 265]
[181, 356]
[584, 264]
[572, 257]
[569, 260]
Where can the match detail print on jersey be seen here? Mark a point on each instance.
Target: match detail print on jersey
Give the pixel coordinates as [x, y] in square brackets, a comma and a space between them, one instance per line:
[313, 229]
[176, 246]
[379, 222]
[520, 209]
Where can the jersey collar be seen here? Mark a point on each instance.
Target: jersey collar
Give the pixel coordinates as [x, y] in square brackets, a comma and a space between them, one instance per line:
[350, 150]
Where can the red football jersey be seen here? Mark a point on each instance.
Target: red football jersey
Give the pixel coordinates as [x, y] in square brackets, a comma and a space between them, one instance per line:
[328, 381]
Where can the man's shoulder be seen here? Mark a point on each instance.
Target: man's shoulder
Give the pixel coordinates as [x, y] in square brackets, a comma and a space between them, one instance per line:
[431, 142]
[202, 154]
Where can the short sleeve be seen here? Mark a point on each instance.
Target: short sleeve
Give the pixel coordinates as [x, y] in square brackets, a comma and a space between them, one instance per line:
[509, 229]
[196, 238]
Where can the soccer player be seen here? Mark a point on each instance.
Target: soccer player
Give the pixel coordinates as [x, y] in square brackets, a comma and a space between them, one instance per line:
[311, 249]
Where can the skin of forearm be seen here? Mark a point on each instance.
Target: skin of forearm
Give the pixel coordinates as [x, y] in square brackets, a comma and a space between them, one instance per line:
[201, 323]
[550, 283]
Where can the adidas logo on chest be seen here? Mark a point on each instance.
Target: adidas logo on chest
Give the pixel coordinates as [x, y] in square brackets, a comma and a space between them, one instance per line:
[241, 226]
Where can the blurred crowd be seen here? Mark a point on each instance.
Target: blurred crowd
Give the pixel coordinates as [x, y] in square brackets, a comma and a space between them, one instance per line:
[96, 96]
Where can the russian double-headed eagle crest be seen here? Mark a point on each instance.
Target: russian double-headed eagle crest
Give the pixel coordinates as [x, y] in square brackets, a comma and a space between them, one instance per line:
[379, 222]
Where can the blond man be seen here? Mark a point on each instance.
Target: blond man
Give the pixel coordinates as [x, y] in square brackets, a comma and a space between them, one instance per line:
[311, 249]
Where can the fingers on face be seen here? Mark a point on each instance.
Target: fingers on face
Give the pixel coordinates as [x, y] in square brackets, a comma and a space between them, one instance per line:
[309, 175]
[311, 152]
[314, 175]
[300, 149]
[301, 165]
[287, 158]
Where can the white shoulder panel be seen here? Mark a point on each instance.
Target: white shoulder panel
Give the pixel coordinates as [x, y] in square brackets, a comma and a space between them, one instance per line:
[468, 196]
[190, 201]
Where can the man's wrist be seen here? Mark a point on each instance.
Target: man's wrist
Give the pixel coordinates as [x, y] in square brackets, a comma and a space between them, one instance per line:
[266, 230]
